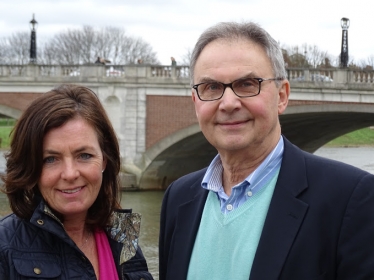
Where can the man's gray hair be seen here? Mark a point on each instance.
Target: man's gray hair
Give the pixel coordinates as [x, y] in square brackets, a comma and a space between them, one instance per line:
[247, 30]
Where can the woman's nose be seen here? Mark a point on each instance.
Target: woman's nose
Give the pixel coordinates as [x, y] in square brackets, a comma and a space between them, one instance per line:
[70, 171]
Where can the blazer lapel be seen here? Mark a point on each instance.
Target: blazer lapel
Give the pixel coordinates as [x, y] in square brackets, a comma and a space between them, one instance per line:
[284, 218]
[187, 225]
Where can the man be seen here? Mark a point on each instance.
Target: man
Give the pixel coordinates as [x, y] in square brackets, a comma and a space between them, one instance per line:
[263, 209]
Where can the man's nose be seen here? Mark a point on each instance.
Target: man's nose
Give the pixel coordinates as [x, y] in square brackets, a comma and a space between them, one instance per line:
[229, 101]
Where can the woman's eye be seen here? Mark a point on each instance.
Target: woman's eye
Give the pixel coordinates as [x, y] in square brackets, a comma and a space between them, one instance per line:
[49, 160]
[85, 156]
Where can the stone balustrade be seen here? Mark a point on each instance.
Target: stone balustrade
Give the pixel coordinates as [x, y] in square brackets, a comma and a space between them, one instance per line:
[99, 71]
[332, 75]
[162, 72]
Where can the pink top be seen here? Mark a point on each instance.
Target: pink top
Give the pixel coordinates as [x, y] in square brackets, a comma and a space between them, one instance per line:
[107, 267]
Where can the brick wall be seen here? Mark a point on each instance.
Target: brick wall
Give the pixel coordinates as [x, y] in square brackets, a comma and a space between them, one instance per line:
[166, 115]
[18, 100]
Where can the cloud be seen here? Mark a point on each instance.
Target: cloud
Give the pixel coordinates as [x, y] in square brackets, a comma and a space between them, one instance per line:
[172, 27]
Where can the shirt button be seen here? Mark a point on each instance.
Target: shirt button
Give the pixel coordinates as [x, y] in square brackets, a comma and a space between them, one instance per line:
[249, 193]
[229, 207]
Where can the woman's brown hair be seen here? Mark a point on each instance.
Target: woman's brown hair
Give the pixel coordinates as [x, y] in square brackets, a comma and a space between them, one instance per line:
[25, 158]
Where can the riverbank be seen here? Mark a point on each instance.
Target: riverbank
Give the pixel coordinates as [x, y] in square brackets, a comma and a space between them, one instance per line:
[359, 138]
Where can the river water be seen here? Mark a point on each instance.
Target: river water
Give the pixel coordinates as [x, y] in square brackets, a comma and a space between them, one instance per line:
[148, 203]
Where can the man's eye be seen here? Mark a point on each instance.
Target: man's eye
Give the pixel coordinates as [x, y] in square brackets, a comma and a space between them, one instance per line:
[247, 83]
[213, 86]
[49, 160]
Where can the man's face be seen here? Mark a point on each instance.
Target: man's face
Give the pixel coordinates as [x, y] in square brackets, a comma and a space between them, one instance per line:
[233, 124]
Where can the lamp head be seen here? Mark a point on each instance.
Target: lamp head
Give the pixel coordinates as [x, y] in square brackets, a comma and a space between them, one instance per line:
[33, 23]
[344, 23]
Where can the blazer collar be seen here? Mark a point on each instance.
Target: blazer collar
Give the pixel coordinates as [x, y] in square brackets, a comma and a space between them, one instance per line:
[187, 225]
[284, 218]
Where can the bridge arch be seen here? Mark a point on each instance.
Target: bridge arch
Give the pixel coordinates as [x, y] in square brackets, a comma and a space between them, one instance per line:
[311, 125]
[180, 153]
[10, 112]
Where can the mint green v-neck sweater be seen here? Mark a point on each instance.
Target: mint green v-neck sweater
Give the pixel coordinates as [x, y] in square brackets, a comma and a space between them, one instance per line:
[226, 244]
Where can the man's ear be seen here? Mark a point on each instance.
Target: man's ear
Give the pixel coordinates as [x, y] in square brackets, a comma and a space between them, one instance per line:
[194, 101]
[284, 93]
[193, 96]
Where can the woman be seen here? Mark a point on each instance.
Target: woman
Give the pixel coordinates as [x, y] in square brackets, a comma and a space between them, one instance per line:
[62, 185]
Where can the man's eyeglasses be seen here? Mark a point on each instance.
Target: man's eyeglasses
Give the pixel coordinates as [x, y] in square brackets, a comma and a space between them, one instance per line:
[247, 87]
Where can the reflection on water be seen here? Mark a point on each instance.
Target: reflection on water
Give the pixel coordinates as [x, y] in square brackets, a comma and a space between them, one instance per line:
[149, 203]
[361, 157]
[4, 207]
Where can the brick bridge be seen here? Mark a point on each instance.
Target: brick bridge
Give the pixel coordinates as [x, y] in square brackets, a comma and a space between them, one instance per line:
[152, 112]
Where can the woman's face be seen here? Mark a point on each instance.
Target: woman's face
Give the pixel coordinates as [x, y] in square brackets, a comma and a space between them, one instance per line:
[72, 168]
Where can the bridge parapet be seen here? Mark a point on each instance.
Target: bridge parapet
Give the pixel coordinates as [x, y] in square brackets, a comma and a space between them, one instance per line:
[163, 73]
[364, 77]
[332, 75]
[94, 71]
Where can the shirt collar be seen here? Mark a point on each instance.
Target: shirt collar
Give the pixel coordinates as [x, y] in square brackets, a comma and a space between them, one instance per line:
[212, 179]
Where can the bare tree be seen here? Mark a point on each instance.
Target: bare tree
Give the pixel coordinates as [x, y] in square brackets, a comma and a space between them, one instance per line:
[81, 46]
[109, 42]
[368, 63]
[15, 49]
[47, 55]
[70, 47]
[3, 51]
[294, 56]
[186, 58]
[135, 49]
[315, 56]
[307, 56]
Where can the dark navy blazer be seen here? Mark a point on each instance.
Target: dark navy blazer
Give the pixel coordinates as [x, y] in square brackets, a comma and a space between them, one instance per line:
[320, 223]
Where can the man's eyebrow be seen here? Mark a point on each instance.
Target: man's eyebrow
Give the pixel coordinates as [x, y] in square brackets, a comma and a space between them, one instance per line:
[210, 80]
[207, 80]
[249, 75]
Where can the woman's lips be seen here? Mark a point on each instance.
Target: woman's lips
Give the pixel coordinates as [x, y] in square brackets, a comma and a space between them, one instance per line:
[70, 191]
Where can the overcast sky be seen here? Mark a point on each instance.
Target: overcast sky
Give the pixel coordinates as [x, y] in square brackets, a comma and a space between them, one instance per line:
[173, 26]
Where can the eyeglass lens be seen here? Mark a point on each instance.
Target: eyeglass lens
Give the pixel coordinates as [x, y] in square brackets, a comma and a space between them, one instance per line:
[243, 88]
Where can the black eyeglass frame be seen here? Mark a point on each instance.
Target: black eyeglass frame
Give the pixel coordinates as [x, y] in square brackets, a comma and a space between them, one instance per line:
[260, 80]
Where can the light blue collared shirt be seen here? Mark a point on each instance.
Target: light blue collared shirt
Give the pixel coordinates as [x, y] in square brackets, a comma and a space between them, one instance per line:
[243, 191]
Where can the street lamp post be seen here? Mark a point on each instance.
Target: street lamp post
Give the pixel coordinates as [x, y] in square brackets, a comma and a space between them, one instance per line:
[33, 26]
[344, 51]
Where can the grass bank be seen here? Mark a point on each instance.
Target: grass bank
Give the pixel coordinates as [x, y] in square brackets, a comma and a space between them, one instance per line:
[6, 126]
[4, 136]
[361, 137]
